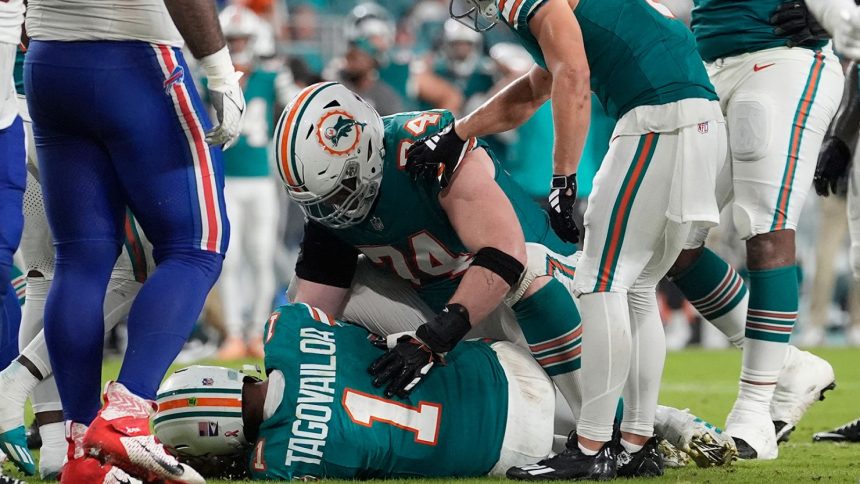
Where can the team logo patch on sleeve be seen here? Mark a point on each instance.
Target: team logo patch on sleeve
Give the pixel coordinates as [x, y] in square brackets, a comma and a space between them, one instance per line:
[339, 133]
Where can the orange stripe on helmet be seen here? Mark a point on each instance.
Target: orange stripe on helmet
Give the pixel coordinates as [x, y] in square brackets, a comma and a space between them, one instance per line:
[288, 127]
[200, 402]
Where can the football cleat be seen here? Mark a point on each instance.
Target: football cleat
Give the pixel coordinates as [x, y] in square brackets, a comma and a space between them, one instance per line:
[849, 432]
[571, 464]
[14, 444]
[672, 456]
[705, 443]
[120, 435]
[752, 431]
[4, 479]
[81, 468]
[803, 380]
[647, 462]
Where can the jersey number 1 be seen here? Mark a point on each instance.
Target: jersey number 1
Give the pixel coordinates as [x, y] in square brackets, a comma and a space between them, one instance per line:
[365, 409]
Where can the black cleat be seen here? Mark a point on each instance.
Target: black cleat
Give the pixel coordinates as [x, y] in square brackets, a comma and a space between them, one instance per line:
[648, 462]
[34, 438]
[849, 432]
[571, 464]
[745, 450]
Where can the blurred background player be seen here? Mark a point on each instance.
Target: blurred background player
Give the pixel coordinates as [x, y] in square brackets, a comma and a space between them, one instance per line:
[350, 429]
[147, 149]
[247, 281]
[775, 135]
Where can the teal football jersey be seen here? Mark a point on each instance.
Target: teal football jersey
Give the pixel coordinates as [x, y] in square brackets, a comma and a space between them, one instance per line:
[408, 232]
[726, 28]
[637, 56]
[250, 155]
[333, 423]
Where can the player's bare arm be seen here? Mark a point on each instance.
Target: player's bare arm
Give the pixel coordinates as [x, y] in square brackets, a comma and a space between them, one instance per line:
[483, 217]
[330, 299]
[197, 21]
[842, 19]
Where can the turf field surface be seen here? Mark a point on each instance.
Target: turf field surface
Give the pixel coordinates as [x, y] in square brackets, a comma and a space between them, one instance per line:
[706, 382]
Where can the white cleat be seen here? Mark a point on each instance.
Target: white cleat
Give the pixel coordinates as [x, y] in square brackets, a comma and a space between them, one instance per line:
[672, 456]
[751, 428]
[706, 444]
[803, 380]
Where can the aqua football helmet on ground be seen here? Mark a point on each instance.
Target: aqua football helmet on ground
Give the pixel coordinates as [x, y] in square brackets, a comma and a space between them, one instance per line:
[200, 412]
[329, 152]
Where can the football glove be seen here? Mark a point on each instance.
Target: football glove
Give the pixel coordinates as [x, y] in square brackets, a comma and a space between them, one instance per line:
[404, 366]
[562, 198]
[412, 355]
[793, 21]
[436, 156]
[832, 166]
[225, 95]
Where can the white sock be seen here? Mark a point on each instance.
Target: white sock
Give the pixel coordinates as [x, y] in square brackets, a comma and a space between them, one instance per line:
[605, 361]
[647, 356]
[53, 451]
[16, 383]
[757, 386]
[733, 323]
[586, 451]
[630, 447]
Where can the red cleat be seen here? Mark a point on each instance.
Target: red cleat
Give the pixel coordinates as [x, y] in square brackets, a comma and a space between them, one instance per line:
[81, 468]
[120, 436]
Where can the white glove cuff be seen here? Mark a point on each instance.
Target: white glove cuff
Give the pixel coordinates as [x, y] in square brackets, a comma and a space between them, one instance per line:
[219, 69]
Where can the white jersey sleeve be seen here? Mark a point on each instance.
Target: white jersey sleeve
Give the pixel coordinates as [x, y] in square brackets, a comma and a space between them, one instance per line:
[11, 19]
[74, 20]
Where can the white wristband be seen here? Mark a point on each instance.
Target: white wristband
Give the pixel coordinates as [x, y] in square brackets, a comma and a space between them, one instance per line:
[218, 67]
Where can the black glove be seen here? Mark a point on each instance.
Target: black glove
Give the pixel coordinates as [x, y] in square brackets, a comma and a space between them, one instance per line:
[793, 21]
[832, 166]
[562, 198]
[411, 359]
[445, 149]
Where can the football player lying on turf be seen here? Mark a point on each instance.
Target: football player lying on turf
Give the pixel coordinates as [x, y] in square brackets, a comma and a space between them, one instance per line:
[488, 408]
[480, 244]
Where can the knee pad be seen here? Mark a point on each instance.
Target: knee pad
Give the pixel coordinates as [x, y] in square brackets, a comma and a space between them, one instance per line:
[749, 129]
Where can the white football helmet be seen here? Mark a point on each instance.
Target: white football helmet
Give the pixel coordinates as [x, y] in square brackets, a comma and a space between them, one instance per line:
[478, 15]
[329, 151]
[200, 412]
[238, 22]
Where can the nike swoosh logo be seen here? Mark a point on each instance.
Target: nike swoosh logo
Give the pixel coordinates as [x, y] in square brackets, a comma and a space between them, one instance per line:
[757, 67]
[170, 468]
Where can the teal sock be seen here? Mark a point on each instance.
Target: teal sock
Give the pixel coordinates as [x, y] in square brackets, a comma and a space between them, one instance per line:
[552, 326]
[773, 304]
[719, 294]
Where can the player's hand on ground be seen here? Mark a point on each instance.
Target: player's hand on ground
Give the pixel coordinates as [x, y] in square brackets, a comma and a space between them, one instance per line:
[833, 162]
[403, 367]
[793, 21]
[229, 103]
[436, 156]
[562, 199]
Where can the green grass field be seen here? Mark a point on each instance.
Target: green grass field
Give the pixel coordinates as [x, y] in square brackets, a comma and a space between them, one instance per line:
[706, 382]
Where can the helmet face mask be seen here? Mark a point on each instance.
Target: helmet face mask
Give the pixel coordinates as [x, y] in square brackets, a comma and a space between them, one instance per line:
[329, 152]
[478, 15]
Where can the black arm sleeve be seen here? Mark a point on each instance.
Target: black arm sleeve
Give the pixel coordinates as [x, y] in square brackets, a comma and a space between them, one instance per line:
[846, 123]
[324, 258]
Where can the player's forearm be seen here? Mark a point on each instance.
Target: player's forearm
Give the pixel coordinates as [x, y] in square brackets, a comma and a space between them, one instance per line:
[197, 21]
[846, 123]
[510, 108]
[829, 12]
[480, 292]
[571, 94]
